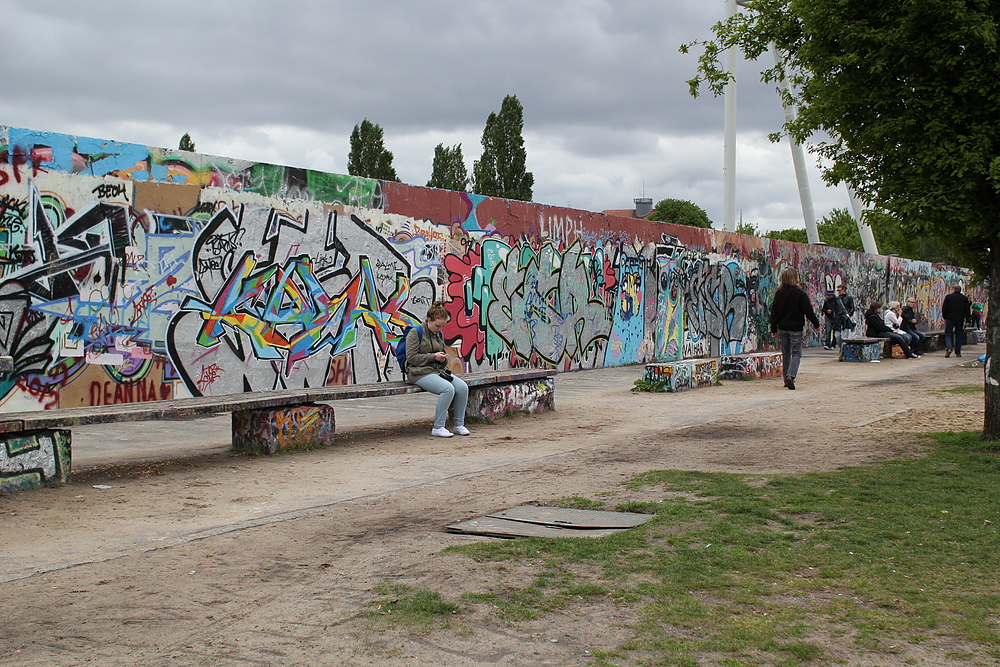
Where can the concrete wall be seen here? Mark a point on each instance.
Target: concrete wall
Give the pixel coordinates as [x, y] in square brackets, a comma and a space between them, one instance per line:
[133, 273]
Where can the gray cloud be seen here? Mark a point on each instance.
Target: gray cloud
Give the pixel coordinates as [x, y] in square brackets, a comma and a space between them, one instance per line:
[602, 84]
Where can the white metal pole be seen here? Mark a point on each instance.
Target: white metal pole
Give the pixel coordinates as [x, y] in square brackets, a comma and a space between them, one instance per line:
[867, 237]
[729, 139]
[799, 161]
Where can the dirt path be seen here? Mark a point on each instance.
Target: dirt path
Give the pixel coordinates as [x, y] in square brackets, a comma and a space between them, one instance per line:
[214, 559]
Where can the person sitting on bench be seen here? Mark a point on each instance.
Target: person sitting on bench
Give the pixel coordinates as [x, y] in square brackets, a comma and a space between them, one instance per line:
[875, 328]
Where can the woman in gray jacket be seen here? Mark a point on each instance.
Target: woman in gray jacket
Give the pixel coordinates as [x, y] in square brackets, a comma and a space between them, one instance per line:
[426, 367]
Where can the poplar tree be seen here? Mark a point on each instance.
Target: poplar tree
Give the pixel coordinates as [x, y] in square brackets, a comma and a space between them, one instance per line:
[500, 171]
[369, 156]
[449, 171]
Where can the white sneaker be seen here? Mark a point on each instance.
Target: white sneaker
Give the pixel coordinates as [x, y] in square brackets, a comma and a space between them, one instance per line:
[441, 432]
[461, 430]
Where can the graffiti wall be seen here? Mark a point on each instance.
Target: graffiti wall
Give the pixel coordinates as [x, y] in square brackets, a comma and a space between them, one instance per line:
[132, 273]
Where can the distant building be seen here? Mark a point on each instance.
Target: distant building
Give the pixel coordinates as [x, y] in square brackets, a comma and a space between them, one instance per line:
[643, 207]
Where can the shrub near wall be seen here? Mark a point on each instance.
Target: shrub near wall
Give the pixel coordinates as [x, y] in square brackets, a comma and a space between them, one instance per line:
[133, 273]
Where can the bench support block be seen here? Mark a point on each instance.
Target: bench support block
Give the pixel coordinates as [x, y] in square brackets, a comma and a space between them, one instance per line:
[861, 349]
[750, 365]
[674, 376]
[494, 401]
[269, 430]
[33, 459]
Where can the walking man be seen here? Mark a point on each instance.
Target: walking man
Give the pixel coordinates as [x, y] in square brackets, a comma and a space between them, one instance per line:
[955, 310]
[789, 311]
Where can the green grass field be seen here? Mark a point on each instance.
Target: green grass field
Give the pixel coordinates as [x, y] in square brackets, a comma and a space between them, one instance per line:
[756, 570]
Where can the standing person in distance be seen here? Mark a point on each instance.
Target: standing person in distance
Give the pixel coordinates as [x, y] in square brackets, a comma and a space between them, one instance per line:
[910, 321]
[847, 301]
[789, 312]
[955, 310]
[426, 367]
[833, 310]
[977, 314]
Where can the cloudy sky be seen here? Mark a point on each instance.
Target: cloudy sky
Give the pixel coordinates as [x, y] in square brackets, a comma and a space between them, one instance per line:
[607, 114]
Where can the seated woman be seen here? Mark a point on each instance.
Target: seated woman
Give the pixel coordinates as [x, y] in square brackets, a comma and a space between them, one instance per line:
[426, 367]
[875, 328]
[893, 318]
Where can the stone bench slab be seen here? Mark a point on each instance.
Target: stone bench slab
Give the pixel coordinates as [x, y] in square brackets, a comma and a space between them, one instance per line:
[202, 406]
[35, 451]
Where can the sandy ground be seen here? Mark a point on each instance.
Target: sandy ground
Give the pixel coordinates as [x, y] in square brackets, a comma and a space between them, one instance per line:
[196, 556]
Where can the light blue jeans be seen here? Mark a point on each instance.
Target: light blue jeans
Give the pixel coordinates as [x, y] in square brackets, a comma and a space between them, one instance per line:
[791, 352]
[456, 391]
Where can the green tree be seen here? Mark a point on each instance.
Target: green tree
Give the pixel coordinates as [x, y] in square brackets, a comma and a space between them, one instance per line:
[680, 212]
[186, 143]
[840, 230]
[907, 95]
[747, 228]
[369, 156]
[794, 235]
[449, 170]
[500, 171]
[893, 240]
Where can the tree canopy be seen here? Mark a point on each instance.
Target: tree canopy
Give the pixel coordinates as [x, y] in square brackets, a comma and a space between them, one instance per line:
[501, 171]
[186, 143]
[449, 171]
[838, 229]
[680, 212]
[906, 94]
[369, 156]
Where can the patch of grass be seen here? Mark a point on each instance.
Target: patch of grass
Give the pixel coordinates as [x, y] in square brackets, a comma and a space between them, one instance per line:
[964, 389]
[410, 607]
[576, 502]
[749, 569]
[636, 507]
[967, 440]
[554, 587]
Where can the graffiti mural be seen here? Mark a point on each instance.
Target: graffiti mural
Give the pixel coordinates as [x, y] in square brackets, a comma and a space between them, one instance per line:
[131, 273]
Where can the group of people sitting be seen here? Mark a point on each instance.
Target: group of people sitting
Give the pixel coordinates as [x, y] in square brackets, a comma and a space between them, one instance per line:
[897, 323]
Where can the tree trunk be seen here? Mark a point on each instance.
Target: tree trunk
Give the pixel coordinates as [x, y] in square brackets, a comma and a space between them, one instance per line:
[991, 421]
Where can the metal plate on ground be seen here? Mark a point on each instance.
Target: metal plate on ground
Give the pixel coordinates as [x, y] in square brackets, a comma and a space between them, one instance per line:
[535, 521]
[572, 518]
[493, 527]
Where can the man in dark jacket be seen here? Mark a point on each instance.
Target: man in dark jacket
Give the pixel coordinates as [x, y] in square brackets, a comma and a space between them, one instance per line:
[910, 321]
[954, 310]
[833, 309]
[847, 301]
[789, 311]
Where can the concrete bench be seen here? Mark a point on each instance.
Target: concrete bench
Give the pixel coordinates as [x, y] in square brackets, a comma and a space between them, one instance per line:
[750, 365]
[934, 341]
[674, 376]
[35, 447]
